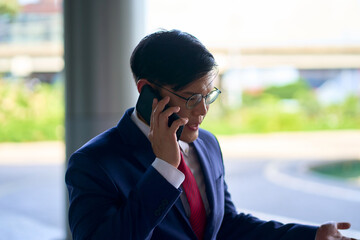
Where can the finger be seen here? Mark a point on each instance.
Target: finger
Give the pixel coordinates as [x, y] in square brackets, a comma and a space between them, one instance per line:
[176, 124]
[155, 101]
[161, 114]
[152, 117]
[162, 103]
[343, 225]
[158, 107]
[169, 111]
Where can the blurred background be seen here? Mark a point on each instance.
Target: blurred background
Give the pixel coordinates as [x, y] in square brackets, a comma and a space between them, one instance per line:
[288, 119]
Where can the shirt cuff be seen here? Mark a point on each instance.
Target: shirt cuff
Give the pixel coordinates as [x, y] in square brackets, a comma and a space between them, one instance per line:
[173, 175]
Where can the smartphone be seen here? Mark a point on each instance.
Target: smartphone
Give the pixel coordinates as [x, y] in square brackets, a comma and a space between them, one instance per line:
[144, 107]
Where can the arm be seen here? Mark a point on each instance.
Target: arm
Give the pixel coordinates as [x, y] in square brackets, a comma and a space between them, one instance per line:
[245, 226]
[98, 210]
[241, 226]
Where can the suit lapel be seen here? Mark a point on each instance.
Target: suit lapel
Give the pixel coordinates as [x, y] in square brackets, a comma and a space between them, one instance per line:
[209, 177]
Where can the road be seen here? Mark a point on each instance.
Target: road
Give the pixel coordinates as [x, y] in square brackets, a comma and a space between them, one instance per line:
[266, 184]
[32, 198]
[288, 192]
[32, 202]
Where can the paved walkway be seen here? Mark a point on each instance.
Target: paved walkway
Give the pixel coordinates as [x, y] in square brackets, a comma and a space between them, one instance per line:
[32, 153]
[27, 164]
[327, 145]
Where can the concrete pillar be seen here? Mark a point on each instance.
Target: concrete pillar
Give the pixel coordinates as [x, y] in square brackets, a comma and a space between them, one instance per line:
[99, 39]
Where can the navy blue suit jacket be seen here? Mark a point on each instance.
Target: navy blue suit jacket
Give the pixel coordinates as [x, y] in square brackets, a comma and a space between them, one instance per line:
[115, 193]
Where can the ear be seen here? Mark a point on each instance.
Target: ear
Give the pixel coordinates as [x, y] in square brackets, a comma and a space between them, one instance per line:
[142, 82]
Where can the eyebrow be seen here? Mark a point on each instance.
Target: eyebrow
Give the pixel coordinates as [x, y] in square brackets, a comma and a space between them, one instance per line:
[192, 93]
[189, 93]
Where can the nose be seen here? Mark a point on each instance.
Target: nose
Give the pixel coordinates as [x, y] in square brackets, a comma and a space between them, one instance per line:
[201, 108]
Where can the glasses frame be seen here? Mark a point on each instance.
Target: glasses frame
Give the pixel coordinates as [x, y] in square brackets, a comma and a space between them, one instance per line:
[187, 99]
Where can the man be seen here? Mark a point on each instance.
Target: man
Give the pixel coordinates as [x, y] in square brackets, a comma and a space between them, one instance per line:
[136, 181]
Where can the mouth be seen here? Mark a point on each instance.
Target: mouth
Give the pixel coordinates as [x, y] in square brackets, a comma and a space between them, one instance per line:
[193, 126]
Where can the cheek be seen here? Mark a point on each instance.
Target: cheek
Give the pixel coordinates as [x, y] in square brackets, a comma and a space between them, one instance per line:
[184, 112]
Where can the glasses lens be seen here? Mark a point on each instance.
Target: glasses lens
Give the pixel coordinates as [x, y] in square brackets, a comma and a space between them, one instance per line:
[197, 98]
[212, 96]
[193, 100]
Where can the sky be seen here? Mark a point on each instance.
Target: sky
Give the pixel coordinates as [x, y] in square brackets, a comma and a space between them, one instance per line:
[240, 23]
[23, 2]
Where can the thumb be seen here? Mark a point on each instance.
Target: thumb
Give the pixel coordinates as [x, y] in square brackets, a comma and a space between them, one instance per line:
[343, 225]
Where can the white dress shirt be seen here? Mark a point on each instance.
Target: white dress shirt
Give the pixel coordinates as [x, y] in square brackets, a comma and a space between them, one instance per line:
[174, 176]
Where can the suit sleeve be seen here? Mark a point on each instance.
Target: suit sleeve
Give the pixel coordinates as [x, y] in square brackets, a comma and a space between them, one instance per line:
[97, 211]
[247, 227]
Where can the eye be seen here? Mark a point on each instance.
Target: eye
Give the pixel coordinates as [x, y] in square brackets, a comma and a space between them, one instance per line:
[194, 100]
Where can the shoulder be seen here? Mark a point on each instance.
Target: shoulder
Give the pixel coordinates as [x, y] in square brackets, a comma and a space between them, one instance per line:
[95, 150]
[208, 145]
[207, 137]
[112, 140]
[209, 142]
[101, 143]
[114, 146]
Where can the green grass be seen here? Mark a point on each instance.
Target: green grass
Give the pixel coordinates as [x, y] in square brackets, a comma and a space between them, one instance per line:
[344, 169]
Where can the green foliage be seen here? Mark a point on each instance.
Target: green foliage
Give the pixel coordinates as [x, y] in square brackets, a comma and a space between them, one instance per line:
[292, 107]
[289, 90]
[37, 113]
[31, 114]
[344, 169]
[9, 8]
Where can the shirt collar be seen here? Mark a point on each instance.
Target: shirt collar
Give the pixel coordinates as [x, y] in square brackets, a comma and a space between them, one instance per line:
[184, 147]
[141, 125]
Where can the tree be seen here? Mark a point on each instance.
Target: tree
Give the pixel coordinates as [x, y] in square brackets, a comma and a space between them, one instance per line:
[9, 8]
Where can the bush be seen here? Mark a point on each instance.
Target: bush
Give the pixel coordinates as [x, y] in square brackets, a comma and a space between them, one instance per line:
[31, 113]
[292, 107]
[36, 113]
[289, 90]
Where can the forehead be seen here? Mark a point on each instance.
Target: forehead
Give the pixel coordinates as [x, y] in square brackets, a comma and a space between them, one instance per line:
[203, 84]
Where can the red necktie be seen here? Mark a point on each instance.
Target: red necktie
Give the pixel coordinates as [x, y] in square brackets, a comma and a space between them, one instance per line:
[197, 209]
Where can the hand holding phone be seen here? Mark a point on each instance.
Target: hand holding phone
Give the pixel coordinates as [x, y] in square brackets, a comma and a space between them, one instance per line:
[163, 123]
[144, 107]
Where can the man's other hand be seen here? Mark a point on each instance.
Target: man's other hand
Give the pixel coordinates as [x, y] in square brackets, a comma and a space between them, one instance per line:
[330, 231]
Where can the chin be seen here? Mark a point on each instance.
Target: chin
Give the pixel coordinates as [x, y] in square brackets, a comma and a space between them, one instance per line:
[189, 137]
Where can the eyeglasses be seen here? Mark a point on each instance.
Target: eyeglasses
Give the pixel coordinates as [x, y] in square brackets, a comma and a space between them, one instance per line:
[196, 98]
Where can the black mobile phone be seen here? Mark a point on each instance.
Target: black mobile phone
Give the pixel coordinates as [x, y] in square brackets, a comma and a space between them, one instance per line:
[144, 107]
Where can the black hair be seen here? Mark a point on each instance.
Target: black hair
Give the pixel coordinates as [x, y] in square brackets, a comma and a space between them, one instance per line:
[171, 58]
